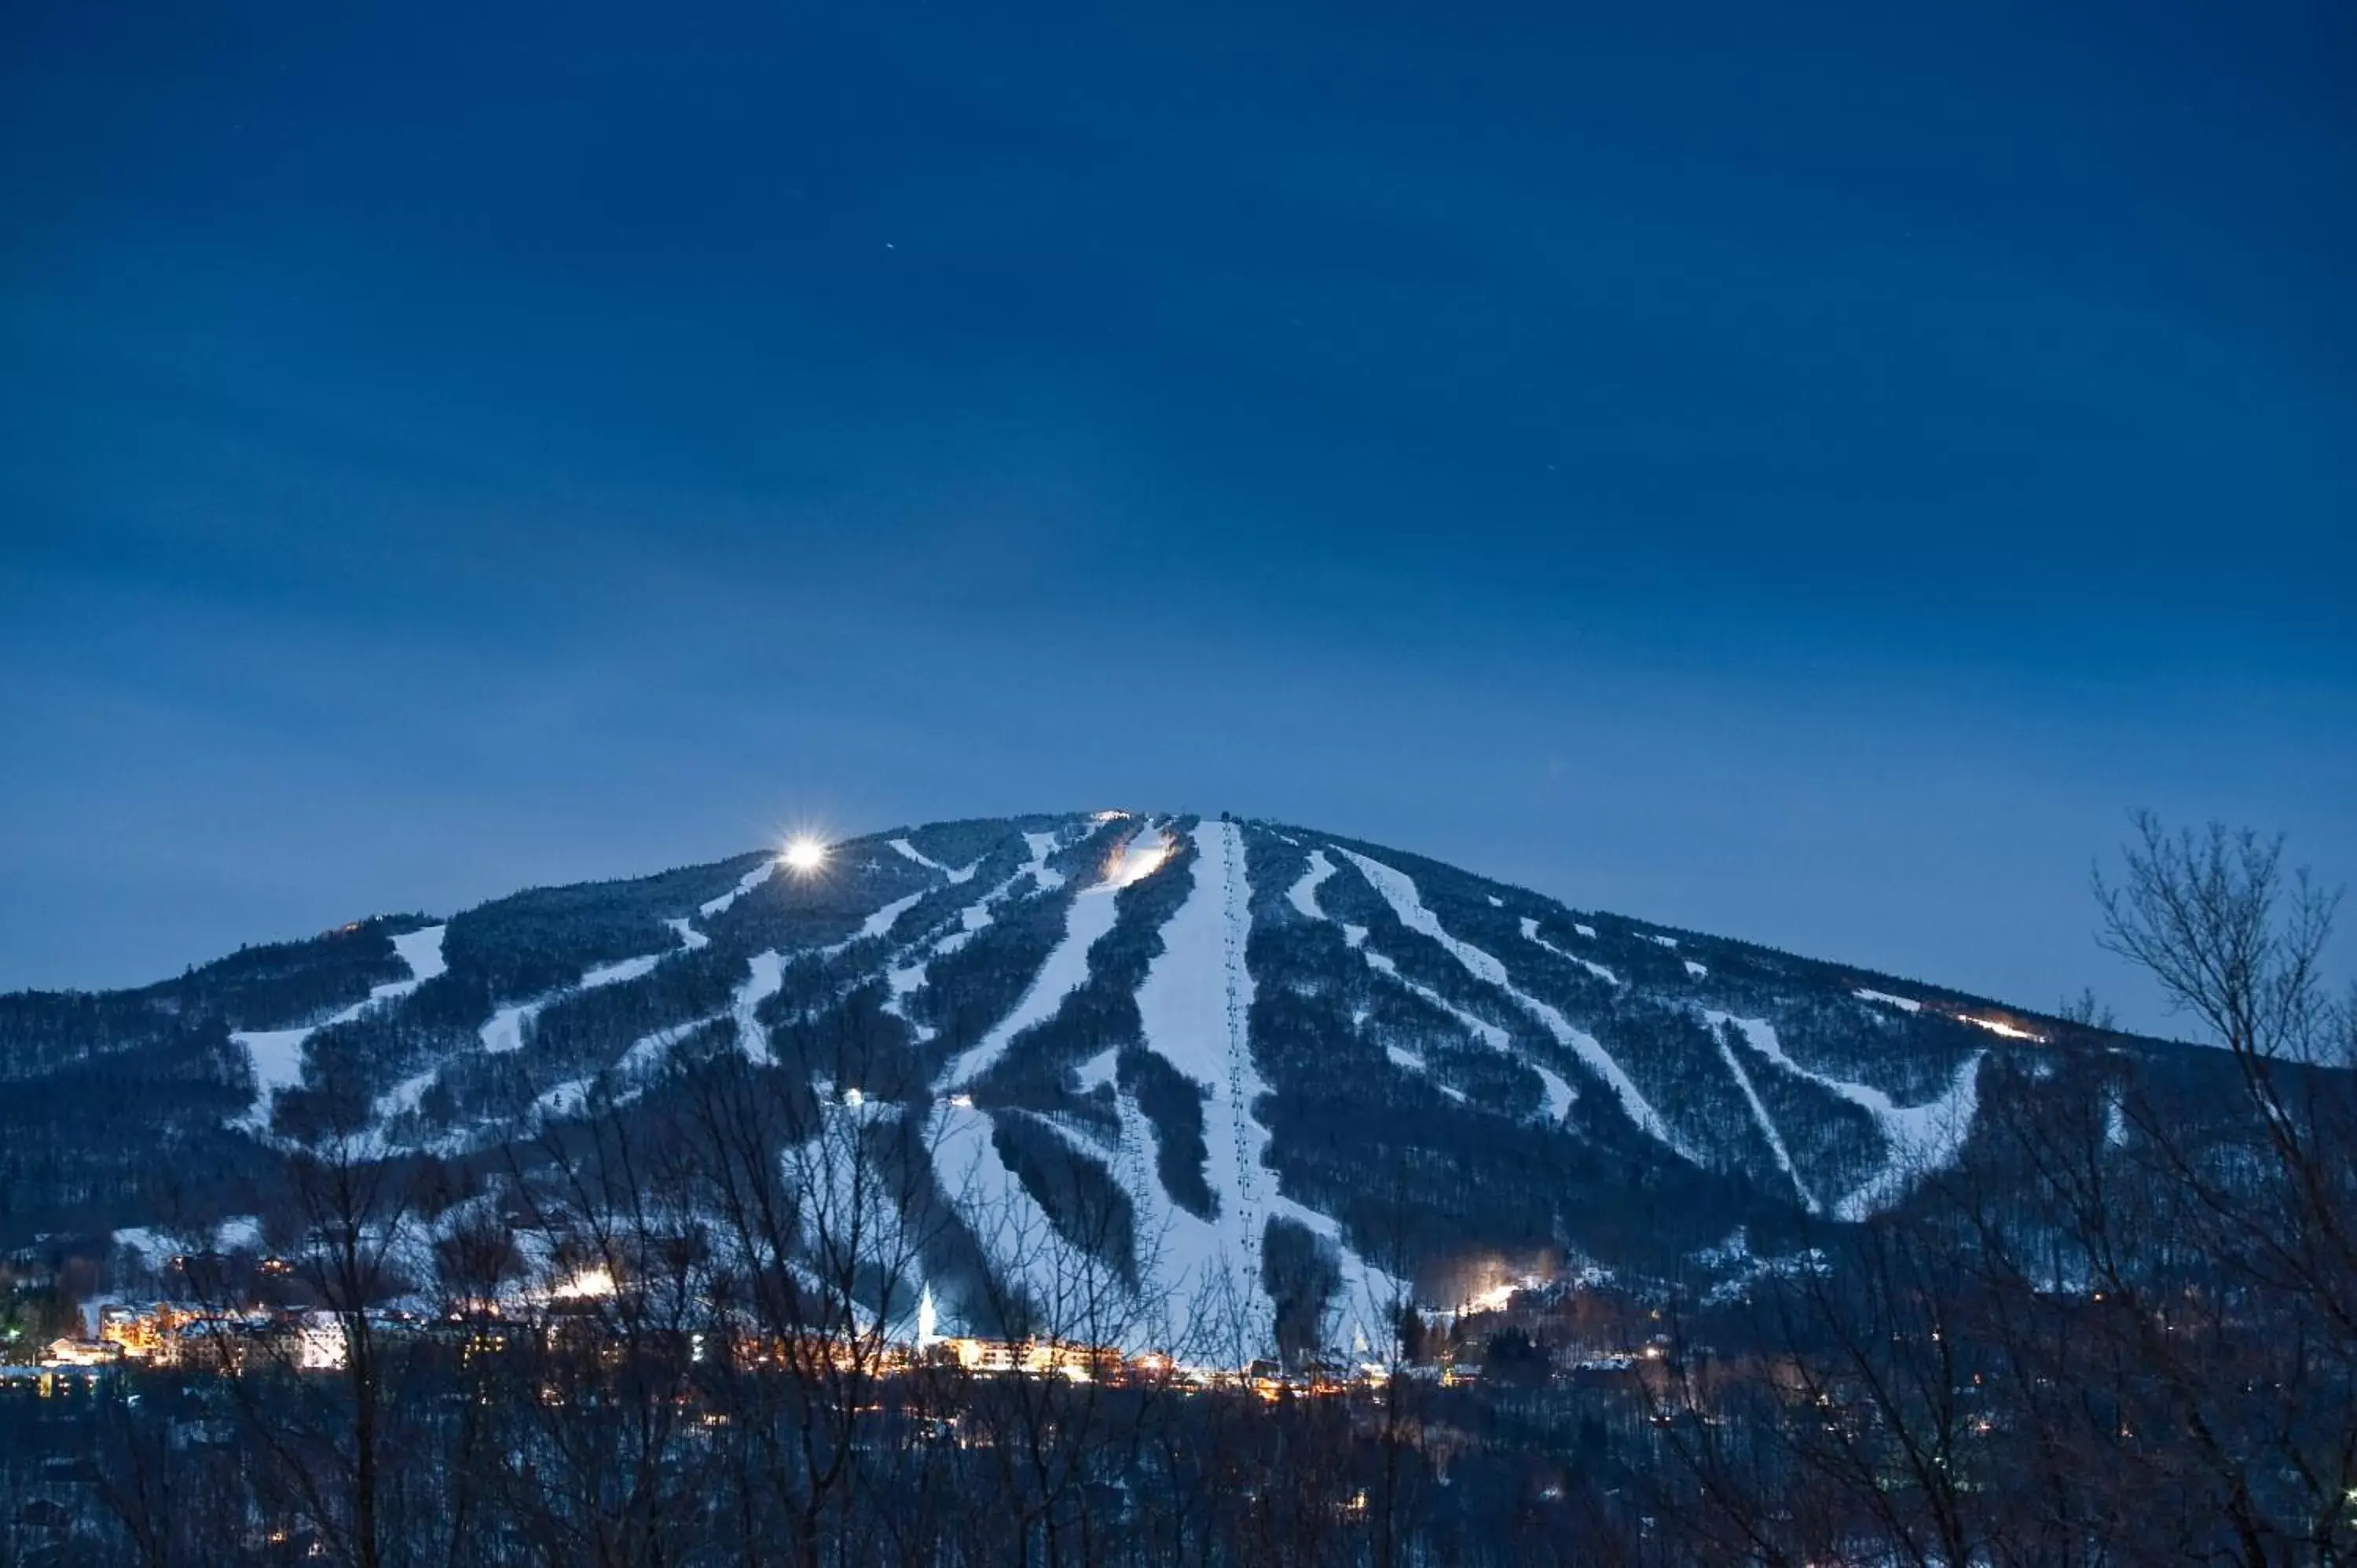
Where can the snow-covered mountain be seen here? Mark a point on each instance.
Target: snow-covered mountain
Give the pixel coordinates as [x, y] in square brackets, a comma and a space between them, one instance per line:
[1251, 1047]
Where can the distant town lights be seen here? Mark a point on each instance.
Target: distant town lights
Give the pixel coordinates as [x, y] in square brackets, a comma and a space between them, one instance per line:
[804, 855]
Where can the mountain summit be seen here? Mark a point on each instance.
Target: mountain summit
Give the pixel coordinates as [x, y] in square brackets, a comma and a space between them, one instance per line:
[1189, 1048]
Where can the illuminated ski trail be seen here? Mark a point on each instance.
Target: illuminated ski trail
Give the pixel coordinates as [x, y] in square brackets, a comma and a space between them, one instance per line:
[422, 951]
[1303, 894]
[1370, 1296]
[853, 1219]
[1767, 1122]
[904, 978]
[402, 1097]
[768, 977]
[1922, 1138]
[1087, 917]
[628, 969]
[1041, 846]
[1531, 934]
[1193, 1005]
[648, 1051]
[876, 923]
[1189, 1266]
[1560, 1095]
[277, 1054]
[1399, 891]
[1014, 1232]
[1196, 1007]
[751, 879]
[505, 1031]
[956, 874]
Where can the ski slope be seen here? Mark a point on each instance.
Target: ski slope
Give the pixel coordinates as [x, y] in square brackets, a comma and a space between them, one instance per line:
[505, 1030]
[1087, 917]
[1192, 1006]
[876, 923]
[277, 1054]
[1531, 934]
[1399, 890]
[1560, 1095]
[1014, 1232]
[1921, 1138]
[1767, 1123]
[752, 880]
[768, 974]
[956, 874]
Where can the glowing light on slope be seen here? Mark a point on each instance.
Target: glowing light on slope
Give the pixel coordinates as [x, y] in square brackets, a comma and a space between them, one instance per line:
[1999, 1027]
[803, 857]
[1135, 860]
[589, 1284]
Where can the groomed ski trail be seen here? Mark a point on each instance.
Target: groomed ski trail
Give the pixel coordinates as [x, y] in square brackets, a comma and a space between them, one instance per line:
[277, 1054]
[1399, 890]
[1088, 917]
[1922, 1138]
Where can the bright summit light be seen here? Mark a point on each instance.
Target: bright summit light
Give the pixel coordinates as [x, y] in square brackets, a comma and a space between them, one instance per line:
[805, 855]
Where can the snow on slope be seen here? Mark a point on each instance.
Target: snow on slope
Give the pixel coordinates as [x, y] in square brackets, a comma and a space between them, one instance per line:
[1042, 845]
[752, 880]
[1087, 917]
[1922, 1138]
[910, 851]
[628, 969]
[277, 1058]
[1399, 890]
[422, 951]
[277, 1053]
[1014, 1231]
[504, 1032]
[402, 1097]
[853, 1209]
[1481, 1029]
[1531, 934]
[1303, 894]
[769, 974]
[1767, 1122]
[630, 1074]
[1196, 1007]
[1192, 1005]
[647, 1052]
[876, 923]
[908, 975]
[1560, 1095]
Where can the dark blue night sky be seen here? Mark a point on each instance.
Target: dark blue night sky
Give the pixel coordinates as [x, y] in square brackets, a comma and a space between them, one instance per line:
[1799, 476]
